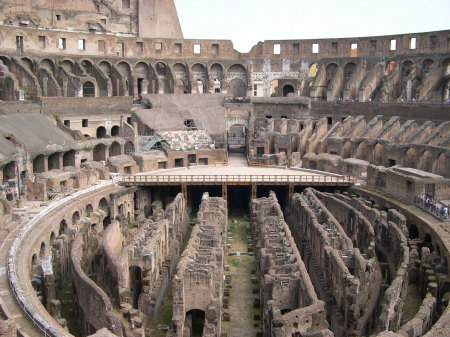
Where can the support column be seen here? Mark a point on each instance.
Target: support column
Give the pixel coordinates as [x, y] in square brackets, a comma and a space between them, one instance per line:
[185, 191]
[254, 191]
[225, 192]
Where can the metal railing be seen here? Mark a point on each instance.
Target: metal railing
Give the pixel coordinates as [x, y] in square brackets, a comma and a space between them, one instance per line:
[434, 208]
[224, 179]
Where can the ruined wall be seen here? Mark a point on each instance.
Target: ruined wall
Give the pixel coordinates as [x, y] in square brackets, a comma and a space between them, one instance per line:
[290, 303]
[198, 282]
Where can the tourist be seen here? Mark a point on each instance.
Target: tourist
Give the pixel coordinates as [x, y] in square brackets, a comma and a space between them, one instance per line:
[9, 194]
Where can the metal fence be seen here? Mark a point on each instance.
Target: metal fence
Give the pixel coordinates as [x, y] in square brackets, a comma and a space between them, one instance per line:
[225, 179]
[435, 208]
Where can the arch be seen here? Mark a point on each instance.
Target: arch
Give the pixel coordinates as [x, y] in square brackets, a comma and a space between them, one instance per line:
[9, 171]
[88, 66]
[129, 148]
[378, 154]
[105, 66]
[427, 64]
[63, 228]
[361, 151]
[216, 76]
[89, 210]
[39, 164]
[288, 89]
[446, 66]
[410, 158]
[164, 76]
[42, 250]
[67, 65]
[101, 132]
[115, 149]
[99, 152]
[88, 89]
[200, 75]
[425, 161]
[34, 260]
[312, 71]
[331, 70]
[413, 232]
[29, 64]
[428, 242]
[115, 131]
[390, 66]
[75, 218]
[346, 150]
[106, 222]
[69, 158]
[143, 72]
[407, 66]
[440, 165]
[53, 161]
[195, 318]
[181, 78]
[103, 204]
[348, 71]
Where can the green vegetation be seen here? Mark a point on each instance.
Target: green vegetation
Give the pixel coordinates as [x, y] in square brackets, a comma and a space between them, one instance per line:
[7, 80]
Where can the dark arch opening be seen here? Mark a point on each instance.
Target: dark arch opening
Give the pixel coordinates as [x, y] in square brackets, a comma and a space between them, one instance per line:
[63, 226]
[288, 89]
[413, 232]
[196, 319]
[75, 218]
[115, 131]
[88, 89]
[101, 132]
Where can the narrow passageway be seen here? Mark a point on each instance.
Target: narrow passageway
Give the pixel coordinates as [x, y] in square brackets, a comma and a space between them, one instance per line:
[241, 286]
[237, 159]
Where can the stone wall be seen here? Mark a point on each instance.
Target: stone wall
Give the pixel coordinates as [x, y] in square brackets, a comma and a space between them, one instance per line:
[198, 283]
[290, 303]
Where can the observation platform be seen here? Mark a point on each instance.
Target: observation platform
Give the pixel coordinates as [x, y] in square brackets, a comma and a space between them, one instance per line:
[235, 176]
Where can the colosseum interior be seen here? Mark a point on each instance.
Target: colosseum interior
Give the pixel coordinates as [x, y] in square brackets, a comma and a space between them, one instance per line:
[156, 186]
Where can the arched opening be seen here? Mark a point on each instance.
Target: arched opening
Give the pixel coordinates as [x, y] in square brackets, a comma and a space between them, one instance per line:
[42, 251]
[410, 158]
[39, 164]
[89, 210]
[426, 67]
[114, 149]
[125, 88]
[195, 320]
[101, 132]
[53, 162]
[181, 79]
[427, 242]
[67, 65]
[440, 167]
[390, 66]
[288, 89]
[9, 171]
[361, 151]
[237, 86]
[75, 218]
[201, 77]
[115, 131]
[69, 158]
[216, 74]
[446, 92]
[129, 148]
[88, 89]
[237, 135]
[348, 71]
[103, 204]
[99, 152]
[425, 161]
[346, 150]
[63, 226]
[34, 260]
[49, 65]
[52, 238]
[135, 285]
[331, 70]
[446, 66]
[164, 76]
[378, 154]
[413, 232]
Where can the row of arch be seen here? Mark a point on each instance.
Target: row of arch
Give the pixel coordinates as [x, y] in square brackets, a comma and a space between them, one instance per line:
[123, 78]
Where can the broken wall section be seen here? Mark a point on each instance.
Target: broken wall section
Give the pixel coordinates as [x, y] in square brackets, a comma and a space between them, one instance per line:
[290, 304]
